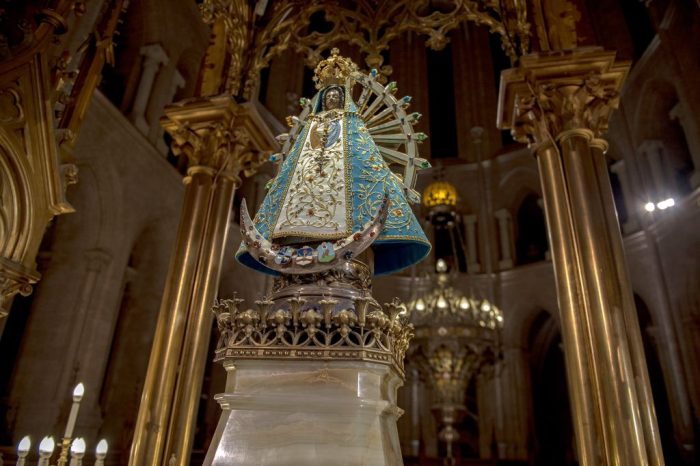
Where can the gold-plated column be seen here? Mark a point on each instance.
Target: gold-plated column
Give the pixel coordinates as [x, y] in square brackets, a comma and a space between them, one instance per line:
[156, 400]
[603, 303]
[221, 139]
[573, 322]
[560, 103]
[641, 375]
[193, 363]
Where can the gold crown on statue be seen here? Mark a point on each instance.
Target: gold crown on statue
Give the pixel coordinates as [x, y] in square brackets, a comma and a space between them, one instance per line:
[333, 70]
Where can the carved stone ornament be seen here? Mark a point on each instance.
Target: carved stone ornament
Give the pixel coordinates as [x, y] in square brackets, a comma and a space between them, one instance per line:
[11, 286]
[552, 93]
[13, 281]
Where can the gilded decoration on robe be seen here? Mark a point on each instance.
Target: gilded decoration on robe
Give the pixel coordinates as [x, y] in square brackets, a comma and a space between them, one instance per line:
[315, 205]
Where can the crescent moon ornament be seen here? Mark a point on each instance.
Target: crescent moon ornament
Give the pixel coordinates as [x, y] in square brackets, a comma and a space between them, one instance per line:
[305, 259]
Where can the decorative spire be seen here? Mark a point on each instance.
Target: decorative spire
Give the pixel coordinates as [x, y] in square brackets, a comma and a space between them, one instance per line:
[333, 70]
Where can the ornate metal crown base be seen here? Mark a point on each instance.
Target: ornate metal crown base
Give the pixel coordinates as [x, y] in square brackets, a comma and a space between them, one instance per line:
[325, 316]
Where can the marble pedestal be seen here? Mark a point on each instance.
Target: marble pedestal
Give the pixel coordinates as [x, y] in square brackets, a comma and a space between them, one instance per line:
[290, 412]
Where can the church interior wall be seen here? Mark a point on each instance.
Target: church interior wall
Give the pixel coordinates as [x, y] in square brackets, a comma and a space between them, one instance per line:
[127, 205]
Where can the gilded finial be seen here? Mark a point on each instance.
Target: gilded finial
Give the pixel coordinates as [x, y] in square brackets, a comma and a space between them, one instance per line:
[333, 70]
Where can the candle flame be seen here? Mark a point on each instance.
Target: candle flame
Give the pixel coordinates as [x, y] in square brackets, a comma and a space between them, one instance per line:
[47, 445]
[78, 446]
[24, 445]
[102, 447]
[78, 392]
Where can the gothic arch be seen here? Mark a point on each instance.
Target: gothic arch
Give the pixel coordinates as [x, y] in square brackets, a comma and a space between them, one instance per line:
[654, 122]
[553, 427]
[658, 98]
[16, 222]
[689, 336]
[516, 184]
[99, 219]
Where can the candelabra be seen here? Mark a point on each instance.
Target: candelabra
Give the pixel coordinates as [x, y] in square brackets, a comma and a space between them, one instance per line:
[76, 447]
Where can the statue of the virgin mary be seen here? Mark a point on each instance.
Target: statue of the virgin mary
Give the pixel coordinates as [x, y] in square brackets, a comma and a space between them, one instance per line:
[334, 194]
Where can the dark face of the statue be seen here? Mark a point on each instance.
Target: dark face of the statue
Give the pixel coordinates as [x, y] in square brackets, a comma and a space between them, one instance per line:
[332, 99]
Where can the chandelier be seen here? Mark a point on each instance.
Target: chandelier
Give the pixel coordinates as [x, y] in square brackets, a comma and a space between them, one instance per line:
[477, 318]
[457, 335]
[439, 193]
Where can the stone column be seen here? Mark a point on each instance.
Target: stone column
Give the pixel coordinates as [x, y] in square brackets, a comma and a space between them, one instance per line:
[658, 175]
[414, 387]
[632, 223]
[221, 139]
[669, 352]
[487, 231]
[547, 254]
[514, 393]
[153, 58]
[82, 340]
[679, 112]
[473, 69]
[504, 228]
[473, 265]
[560, 104]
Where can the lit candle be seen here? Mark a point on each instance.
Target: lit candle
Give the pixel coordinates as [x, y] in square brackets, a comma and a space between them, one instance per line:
[46, 450]
[78, 392]
[77, 451]
[101, 452]
[23, 450]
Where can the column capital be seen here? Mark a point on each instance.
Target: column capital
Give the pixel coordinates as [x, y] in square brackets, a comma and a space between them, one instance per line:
[219, 133]
[476, 133]
[502, 213]
[556, 92]
[154, 53]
